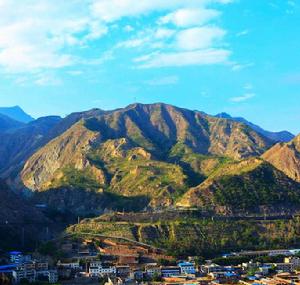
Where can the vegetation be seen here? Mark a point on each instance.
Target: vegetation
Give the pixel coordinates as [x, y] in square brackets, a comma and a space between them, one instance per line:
[202, 237]
[74, 178]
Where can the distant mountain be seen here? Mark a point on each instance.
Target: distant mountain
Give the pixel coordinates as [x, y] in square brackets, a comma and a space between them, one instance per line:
[6, 124]
[17, 145]
[16, 113]
[283, 136]
[286, 157]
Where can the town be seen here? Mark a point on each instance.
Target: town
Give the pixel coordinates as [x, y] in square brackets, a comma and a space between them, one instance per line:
[107, 261]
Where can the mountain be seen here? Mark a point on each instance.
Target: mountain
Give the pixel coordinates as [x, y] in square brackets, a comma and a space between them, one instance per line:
[19, 218]
[251, 185]
[16, 113]
[283, 136]
[19, 144]
[152, 153]
[286, 157]
[7, 124]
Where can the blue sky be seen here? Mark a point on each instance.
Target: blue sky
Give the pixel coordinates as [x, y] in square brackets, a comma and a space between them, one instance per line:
[235, 56]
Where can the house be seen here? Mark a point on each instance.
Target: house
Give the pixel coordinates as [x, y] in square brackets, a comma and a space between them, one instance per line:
[18, 257]
[72, 264]
[137, 274]
[24, 271]
[97, 269]
[224, 277]
[123, 271]
[152, 270]
[50, 275]
[295, 261]
[170, 271]
[264, 269]
[284, 267]
[210, 268]
[187, 268]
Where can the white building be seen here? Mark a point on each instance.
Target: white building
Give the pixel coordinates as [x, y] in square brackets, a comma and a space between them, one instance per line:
[187, 268]
[51, 275]
[295, 261]
[97, 269]
[24, 271]
[71, 265]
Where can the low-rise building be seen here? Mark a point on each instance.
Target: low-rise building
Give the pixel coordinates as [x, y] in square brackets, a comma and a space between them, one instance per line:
[210, 268]
[295, 261]
[72, 264]
[187, 268]
[170, 271]
[284, 267]
[50, 275]
[18, 257]
[152, 270]
[123, 271]
[97, 269]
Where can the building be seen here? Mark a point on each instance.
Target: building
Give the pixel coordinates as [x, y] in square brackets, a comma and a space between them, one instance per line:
[187, 268]
[18, 257]
[24, 271]
[170, 271]
[211, 268]
[97, 269]
[295, 261]
[32, 270]
[123, 271]
[152, 270]
[137, 274]
[284, 267]
[50, 275]
[72, 264]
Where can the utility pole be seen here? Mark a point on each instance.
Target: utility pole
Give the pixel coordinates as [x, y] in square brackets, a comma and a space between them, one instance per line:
[47, 233]
[23, 237]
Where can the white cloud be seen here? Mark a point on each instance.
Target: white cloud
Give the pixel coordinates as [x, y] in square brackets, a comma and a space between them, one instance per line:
[168, 80]
[243, 98]
[242, 33]
[38, 35]
[34, 34]
[190, 17]
[163, 33]
[177, 59]
[199, 38]
[128, 28]
[113, 10]
[238, 66]
[46, 80]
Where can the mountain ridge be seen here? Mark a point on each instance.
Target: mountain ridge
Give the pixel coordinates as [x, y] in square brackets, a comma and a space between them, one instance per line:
[16, 113]
[282, 136]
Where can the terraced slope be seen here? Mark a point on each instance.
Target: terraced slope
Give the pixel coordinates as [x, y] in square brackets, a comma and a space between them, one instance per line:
[202, 237]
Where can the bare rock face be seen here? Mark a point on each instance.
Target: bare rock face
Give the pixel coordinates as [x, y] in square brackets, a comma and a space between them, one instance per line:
[286, 157]
[69, 149]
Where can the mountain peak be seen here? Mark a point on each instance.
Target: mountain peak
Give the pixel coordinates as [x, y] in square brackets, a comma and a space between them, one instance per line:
[16, 113]
[223, 115]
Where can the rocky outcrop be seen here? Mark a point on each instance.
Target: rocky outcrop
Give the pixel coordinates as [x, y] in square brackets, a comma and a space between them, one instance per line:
[286, 157]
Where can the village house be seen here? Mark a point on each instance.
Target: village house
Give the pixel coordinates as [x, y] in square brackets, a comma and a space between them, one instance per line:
[97, 269]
